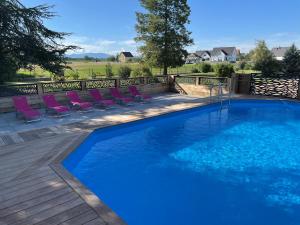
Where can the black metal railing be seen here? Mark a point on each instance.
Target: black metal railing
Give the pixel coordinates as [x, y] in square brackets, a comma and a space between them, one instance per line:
[81, 85]
[101, 83]
[61, 86]
[19, 89]
[131, 81]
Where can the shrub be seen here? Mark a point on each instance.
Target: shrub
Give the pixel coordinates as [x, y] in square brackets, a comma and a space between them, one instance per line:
[146, 72]
[195, 70]
[108, 71]
[224, 70]
[124, 72]
[94, 75]
[205, 67]
[74, 74]
[142, 71]
[241, 65]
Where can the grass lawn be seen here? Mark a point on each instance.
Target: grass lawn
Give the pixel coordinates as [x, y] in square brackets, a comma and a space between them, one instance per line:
[87, 68]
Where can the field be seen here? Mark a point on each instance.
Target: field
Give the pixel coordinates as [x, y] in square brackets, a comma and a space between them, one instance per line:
[91, 69]
[86, 69]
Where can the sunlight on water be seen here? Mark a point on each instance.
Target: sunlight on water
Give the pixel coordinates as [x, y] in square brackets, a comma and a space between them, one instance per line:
[236, 152]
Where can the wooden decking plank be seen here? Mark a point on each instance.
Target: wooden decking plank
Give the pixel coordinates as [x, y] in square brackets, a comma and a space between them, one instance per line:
[20, 176]
[27, 197]
[33, 202]
[28, 184]
[49, 213]
[55, 150]
[48, 206]
[81, 219]
[52, 183]
[66, 215]
[17, 181]
[96, 222]
[29, 135]
[7, 140]
[12, 160]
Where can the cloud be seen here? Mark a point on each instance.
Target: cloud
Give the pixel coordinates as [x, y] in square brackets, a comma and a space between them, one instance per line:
[98, 45]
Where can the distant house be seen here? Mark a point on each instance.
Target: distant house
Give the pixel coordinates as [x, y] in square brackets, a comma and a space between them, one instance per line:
[224, 54]
[125, 57]
[279, 52]
[204, 55]
[192, 58]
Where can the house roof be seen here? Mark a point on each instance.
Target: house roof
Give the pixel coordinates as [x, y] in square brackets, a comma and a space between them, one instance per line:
[200, 53]
[217, 51]
[225, 50]
[193, 55]
[127, 54]
[280, 51]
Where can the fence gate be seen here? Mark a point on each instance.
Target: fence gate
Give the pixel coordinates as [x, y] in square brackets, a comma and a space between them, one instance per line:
[274, 86]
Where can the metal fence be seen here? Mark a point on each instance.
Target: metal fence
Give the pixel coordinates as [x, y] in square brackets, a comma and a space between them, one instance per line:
[54, 87]
[20, 89]
[200, 80]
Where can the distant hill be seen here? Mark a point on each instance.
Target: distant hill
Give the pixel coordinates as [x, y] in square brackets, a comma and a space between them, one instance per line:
[92, 55]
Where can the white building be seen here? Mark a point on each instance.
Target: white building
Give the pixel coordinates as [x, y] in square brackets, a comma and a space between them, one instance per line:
[222, 54]
[279, 52]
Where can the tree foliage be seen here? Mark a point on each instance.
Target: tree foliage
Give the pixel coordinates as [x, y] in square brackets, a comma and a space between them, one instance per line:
[291, 62]
[162, 31]
[25, 40]
[264, 60]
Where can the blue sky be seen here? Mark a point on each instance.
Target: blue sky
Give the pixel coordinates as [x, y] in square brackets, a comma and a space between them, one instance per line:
[108, 25]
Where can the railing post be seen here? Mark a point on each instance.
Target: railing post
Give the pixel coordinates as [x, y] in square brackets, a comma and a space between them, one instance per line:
[117, 82]
[40, 89]
[83, 85]
[235, 83]
[198, 81]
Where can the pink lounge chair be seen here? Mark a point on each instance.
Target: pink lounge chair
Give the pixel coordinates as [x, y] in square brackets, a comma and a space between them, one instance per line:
[53, 106]
[77, 103]
[99, 100]
[138, 95]
[24, 110]
[119, 98]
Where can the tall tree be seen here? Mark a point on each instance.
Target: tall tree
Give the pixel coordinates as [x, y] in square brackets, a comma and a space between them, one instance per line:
[163, 33]
[291, 62]
[25, 40]
[264, 60]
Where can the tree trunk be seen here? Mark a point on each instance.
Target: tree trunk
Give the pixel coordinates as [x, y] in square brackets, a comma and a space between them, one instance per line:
[165, 69]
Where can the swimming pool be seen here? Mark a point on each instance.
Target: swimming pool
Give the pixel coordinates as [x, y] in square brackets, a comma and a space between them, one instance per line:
[235, 166]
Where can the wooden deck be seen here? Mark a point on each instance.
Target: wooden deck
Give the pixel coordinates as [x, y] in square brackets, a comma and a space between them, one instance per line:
[35, 188]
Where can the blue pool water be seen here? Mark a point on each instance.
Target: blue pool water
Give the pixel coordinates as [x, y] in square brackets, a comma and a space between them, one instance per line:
[237, 166]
